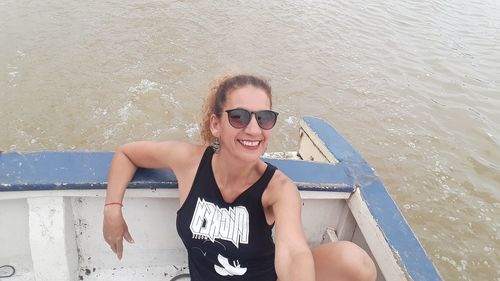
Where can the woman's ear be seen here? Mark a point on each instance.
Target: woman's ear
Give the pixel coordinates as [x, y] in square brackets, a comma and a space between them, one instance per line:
[214, 125]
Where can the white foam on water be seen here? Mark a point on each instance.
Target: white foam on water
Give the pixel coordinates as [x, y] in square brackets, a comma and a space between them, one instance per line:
[292, 120]
[124, 112]
[138, 98]
[108, 134]
[144, 86]
[192, 129]
[170, 98]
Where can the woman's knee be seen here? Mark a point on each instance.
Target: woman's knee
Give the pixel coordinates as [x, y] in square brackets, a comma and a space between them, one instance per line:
[345, 260]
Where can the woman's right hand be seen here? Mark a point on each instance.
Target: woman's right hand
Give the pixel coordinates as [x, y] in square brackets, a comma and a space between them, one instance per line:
[115, 229]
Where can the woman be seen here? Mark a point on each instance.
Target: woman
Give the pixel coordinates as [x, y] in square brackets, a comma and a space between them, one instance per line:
[230, 199]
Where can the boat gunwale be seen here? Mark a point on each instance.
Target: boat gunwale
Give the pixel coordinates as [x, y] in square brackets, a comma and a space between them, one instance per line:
[389, 219]
[48, 170]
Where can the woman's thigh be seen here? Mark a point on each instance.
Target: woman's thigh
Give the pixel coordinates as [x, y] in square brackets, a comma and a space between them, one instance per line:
[343, 261]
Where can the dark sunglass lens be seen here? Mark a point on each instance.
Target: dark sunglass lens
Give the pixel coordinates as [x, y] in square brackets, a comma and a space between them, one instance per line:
[266, 119]
[239, 118]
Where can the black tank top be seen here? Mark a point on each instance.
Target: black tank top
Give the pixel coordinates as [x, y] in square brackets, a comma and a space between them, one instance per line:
[226, 241]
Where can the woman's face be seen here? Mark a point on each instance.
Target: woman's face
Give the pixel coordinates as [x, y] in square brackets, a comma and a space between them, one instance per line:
[250, 142]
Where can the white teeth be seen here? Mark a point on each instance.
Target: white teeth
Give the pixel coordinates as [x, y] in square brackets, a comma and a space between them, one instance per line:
[249, 143]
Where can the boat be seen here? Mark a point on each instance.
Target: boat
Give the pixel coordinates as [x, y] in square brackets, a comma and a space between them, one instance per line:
[51, 207]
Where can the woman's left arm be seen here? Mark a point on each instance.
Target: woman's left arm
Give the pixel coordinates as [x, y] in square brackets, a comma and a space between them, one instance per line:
[293, 260]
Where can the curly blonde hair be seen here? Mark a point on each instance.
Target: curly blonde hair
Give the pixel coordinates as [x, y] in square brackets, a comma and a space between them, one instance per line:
[217, 96]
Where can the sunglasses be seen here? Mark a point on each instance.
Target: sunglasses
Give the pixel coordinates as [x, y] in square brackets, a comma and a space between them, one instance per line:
[240, 118]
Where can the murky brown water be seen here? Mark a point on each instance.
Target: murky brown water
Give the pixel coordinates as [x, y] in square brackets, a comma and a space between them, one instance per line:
[414, 86]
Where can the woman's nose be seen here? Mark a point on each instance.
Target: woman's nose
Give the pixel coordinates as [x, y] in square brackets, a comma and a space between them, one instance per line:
[253, 126]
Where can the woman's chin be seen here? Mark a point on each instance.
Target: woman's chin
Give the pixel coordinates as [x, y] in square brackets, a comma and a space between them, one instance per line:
[251, 154]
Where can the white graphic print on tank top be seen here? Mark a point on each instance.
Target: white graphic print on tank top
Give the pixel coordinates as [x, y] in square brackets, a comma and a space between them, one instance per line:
[211, 222]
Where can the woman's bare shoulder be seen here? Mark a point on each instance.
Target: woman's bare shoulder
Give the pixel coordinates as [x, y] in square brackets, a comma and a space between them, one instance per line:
[280, 186]
[279, 179]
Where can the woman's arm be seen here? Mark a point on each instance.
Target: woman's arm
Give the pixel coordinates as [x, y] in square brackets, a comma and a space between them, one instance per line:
[293, 260]
[143, 154]
[126, 160]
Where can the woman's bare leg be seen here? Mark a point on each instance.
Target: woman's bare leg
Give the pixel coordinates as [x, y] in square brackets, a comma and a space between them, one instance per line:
[343, 261]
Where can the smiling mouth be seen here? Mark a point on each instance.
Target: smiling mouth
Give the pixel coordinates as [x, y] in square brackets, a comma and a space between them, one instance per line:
[249, 143]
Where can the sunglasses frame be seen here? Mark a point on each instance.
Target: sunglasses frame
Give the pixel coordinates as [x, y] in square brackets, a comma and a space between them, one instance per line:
[250, 119]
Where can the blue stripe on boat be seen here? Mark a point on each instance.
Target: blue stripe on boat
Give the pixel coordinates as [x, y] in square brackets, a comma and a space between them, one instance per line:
[89, 170]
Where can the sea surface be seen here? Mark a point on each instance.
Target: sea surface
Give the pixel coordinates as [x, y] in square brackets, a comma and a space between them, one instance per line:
[413, 85]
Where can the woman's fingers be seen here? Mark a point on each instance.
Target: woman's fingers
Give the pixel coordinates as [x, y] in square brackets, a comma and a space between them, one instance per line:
[116, 246]
[115, 242]
[128, 237]
[119, 249]
[113, 247]
[115, 229]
